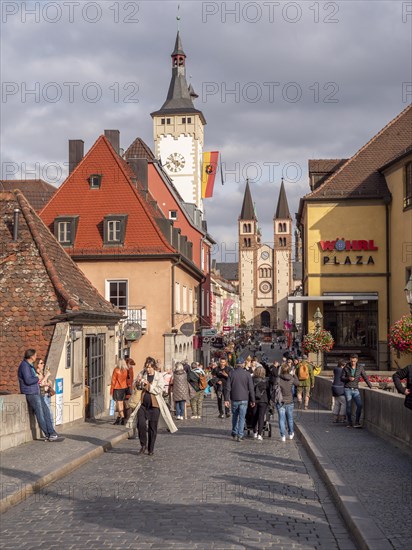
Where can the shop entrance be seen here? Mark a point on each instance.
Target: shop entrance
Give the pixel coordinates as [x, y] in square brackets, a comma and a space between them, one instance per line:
[95, 375]
[354, 326]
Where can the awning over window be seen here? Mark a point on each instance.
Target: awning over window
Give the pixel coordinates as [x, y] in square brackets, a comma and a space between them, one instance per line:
[334, 298]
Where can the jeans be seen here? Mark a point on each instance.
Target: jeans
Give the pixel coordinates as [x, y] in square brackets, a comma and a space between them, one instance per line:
[355, 395]
[239, 409]
[285, 412]
[41, 412]
[180, 408]
[47, 400]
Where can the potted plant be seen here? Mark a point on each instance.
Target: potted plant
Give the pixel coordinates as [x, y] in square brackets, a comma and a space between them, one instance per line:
[400, 335]
[320, 340]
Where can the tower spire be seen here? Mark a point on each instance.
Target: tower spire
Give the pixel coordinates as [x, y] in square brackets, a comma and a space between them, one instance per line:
[248, 210]
[282, 210]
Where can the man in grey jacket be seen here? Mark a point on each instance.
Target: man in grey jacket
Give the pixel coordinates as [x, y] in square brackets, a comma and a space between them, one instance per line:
[239, 390]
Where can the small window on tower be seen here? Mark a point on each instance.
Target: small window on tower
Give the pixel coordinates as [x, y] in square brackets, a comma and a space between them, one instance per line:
[163, 120]
[189, 120]
[183, 121]
[168, 121]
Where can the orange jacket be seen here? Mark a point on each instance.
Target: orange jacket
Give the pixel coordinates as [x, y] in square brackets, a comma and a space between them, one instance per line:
[119, 380]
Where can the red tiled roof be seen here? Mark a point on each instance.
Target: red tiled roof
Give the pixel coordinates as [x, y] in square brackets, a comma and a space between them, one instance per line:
[39, 281]
[37, 192]
[139, 150]
[117, 195]
[324, 166]
[360, 176]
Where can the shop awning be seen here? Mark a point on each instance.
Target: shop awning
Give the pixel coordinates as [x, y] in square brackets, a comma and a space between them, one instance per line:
[334, 298]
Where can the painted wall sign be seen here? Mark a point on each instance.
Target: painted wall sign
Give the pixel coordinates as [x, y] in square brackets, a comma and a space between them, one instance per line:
[341, 244]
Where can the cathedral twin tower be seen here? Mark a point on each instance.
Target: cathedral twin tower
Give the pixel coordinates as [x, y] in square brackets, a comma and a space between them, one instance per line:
[265, 272]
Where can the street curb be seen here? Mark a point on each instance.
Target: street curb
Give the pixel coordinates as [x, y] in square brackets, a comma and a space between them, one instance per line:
[365, 532]
[29, 489]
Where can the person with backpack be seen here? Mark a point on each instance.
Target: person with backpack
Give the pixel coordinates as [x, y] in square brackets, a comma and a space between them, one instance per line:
[261, 386]
[220, 376]
[304, 373]
[283, 399]
[197, 385]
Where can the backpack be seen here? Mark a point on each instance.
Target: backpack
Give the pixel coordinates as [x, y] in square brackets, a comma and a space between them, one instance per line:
[202, 383]
[277, 396]
[303, 371]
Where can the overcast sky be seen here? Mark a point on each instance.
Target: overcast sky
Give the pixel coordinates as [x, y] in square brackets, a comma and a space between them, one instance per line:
[308, 80]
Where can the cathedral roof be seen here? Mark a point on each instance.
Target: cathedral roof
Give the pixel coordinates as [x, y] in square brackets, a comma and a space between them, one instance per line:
[282, 210]
[248, 210]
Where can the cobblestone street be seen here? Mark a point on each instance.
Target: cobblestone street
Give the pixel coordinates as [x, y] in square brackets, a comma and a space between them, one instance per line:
[200, 490]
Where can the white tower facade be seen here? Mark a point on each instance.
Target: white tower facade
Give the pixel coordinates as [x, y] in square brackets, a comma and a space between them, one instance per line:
[178, 130]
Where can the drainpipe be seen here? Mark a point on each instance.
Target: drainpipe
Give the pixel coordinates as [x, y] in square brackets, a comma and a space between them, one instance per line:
[178, 261]
[388, 309]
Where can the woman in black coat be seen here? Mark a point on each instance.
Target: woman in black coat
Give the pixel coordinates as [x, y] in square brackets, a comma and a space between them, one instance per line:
[261, 385]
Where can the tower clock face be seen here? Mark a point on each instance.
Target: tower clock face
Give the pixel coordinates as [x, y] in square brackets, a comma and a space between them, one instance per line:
[175, 162]
[264, 255]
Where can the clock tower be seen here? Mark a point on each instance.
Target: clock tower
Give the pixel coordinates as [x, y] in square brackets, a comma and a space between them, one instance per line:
[178, 129]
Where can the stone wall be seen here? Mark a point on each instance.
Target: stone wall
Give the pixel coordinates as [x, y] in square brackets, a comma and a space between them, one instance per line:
[17, 426]
[383, 412]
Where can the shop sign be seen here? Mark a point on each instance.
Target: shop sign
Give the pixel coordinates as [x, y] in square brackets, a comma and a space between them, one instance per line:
[342, 245]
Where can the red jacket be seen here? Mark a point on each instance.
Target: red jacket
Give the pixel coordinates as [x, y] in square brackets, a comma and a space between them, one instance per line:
[119, 380]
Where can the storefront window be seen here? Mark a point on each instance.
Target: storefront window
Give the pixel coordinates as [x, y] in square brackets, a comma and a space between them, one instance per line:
[353, 325]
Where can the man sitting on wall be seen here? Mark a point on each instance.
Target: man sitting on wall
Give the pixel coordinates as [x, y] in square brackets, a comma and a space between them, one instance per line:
[29, 386]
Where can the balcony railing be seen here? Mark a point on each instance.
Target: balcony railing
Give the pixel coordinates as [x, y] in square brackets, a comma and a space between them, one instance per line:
[136, 314]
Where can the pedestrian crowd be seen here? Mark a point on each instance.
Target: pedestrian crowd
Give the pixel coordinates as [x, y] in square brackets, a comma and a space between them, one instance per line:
[247, 390]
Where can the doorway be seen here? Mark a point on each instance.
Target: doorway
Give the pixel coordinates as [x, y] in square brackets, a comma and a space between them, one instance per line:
[95, 375]
[265, 319]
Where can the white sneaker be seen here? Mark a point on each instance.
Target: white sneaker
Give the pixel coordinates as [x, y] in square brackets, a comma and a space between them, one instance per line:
[259, 438]
[291, 436]
[283, 438]
[255, 435]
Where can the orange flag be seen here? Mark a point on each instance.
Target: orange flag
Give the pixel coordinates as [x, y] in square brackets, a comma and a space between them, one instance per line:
[209, 169]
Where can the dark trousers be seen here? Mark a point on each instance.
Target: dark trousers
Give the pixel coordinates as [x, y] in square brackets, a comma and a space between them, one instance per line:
[259, 415]
[41, 412]
[221, 402]
[144, 415]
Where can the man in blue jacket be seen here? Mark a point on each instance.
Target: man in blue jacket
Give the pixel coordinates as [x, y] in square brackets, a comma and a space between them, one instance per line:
[239, 390]
[29, 386]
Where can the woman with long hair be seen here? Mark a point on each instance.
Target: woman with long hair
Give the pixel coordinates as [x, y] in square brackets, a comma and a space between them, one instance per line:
[261, 385]
[118, 389]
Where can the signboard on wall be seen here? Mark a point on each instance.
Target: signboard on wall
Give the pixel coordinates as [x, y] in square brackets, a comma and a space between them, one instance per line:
[59, 401]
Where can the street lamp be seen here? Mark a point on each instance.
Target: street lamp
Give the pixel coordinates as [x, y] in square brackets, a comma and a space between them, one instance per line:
[317, 317]
[408, 292]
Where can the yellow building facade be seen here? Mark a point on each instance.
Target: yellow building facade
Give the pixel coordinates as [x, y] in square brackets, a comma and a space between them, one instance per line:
[356, 227]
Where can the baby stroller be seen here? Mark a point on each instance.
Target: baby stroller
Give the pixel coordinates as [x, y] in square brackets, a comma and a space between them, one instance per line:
[267, 426]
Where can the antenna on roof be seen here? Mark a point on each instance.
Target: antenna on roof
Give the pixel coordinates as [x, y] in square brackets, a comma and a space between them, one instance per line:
[178, 17]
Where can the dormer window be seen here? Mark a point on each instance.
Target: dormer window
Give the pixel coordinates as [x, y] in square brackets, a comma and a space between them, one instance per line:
[95, 181]
[65, 229]
[115, 228]
[172, 214]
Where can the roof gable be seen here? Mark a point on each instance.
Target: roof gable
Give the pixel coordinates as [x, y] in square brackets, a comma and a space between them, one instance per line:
[360, 176]
[116, 195]
[37, 192]
[39, 282]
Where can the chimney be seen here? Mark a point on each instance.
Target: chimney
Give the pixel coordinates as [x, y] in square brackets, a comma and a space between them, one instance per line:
[139, 167]
[76, 153]
[16, 224]
[114, 137]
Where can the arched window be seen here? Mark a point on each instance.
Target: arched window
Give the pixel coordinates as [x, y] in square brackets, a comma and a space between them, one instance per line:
[261, 273]
[280, 241]
[180, 348]
[176, 349]
[245, 228]
[244, 242]
[284, 228]
[249, 227]
[248, 243]
[284, 241]
[280, 228]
